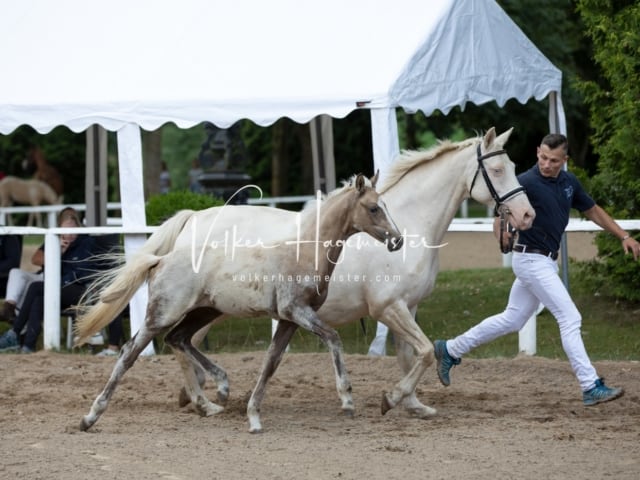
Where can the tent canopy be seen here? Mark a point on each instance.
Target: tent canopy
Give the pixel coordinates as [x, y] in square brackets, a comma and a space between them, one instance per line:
[78, 63]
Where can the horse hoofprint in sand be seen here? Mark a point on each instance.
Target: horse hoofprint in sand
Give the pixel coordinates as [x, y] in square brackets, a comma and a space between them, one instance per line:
[286, 278]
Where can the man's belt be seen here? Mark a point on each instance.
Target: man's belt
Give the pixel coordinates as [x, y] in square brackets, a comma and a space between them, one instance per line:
[525, 249]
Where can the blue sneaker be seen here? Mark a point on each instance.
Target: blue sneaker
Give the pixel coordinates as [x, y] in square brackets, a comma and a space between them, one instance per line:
[9, 341]
[601, 393]
[444, 361]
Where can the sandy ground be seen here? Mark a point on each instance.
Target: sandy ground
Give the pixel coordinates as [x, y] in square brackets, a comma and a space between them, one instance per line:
[500, 419]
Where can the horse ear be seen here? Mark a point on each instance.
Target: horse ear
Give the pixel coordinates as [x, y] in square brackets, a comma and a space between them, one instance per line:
[360, 183]
[502, 139]
[374, 179]
[489, 138]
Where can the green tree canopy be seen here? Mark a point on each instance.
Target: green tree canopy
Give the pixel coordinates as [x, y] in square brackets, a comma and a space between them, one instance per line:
[614, 103]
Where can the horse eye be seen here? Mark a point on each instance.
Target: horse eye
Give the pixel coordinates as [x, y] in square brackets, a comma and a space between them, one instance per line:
[374, 209]
[497, 171]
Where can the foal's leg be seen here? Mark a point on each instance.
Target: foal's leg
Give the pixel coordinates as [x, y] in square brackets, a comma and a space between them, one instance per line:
[189, 356]
[128, 355]
[278, 345]
[307, 318]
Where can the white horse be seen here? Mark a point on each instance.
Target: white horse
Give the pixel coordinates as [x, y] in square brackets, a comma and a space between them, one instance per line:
[424, 189]
[28, 192]
[287, 279]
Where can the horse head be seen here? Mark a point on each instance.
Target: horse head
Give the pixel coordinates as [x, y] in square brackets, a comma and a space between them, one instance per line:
[35, 164]
[499, 182]
[371, 216]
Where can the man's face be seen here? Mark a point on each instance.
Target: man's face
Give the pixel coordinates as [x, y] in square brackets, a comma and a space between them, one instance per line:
[550, 162]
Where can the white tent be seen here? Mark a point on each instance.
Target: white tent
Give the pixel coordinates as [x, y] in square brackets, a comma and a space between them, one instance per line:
[127, 65]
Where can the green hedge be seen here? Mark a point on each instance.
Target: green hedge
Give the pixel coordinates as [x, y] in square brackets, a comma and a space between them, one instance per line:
[160, 207]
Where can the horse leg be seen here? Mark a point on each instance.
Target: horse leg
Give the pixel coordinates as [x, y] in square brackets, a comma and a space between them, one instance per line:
[184, 397]
[279, 342]
[128, 355]
[398, 318]
[308, 319]
[406, 360]
[192, 360]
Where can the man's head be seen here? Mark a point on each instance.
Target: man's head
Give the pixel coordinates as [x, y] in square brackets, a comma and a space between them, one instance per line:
[552, 154]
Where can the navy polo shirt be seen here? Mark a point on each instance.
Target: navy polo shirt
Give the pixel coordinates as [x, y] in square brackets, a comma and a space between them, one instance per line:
[552, 199]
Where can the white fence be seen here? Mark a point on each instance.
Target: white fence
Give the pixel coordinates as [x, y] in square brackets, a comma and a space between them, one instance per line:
[52, 259]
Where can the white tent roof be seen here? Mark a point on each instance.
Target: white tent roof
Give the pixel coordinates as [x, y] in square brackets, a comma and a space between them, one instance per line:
[78, 63]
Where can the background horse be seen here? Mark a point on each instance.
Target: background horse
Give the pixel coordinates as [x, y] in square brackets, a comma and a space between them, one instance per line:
[27, 192]
[286, 279]
[424, 189]
[36, 162]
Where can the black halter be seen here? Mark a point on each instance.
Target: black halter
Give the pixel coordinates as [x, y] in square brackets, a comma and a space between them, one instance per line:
[497, 198]
[500, 209]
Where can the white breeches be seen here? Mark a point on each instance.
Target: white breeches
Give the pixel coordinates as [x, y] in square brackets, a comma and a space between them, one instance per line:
[537, 281]
[17, 284]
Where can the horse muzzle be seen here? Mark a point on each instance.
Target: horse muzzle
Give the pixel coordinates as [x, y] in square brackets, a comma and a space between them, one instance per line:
[395, 243]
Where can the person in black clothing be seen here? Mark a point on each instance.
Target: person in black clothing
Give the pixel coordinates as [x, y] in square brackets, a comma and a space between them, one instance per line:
[10, 256]
[77, 268]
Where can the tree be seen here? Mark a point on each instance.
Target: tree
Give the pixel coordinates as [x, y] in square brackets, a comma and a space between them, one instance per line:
[614, 103]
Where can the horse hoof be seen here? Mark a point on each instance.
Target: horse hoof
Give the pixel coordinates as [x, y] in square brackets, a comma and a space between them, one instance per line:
[349, 413]
[255, 426]
[183, 398]
[386, 405]
[85, 425]
[222, 396]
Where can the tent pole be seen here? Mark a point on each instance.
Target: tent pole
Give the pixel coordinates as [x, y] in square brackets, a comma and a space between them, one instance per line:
[133, 214]
[386, 147]
[557, 124]
[96, 176]
[527, 335]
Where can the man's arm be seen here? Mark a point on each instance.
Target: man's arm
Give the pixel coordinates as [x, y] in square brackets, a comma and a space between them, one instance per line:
[601, 218]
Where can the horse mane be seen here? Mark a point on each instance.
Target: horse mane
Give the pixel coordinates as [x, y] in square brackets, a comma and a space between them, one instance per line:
[346, 185]
[410, 159]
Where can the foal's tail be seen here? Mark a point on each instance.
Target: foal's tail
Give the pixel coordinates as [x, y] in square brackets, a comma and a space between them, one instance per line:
[118, 285]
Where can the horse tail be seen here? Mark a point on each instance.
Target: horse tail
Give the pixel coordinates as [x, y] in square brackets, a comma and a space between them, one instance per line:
[123, 282]
[118, 285]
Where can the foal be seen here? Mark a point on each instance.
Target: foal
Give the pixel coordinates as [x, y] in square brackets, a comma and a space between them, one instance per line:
[287, 279]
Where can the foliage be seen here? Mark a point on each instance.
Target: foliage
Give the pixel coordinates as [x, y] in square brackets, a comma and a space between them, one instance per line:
[62, 148]
[160, 207]
[614, 102]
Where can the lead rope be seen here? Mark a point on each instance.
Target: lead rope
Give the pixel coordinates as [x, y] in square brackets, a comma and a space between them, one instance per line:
[505, 227]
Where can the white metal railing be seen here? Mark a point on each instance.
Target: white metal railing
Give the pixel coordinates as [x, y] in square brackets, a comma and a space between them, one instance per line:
[52, 258]
[51, 211]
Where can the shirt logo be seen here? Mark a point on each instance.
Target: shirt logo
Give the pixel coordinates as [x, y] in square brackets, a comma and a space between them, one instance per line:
[568, 192]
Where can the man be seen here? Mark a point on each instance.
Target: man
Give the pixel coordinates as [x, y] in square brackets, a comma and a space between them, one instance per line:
[552, 192]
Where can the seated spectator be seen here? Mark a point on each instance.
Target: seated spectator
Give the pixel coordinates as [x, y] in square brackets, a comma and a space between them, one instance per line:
[77, 267]
[10, 256]
[107, 244]
[19, 280]
[116, 336]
